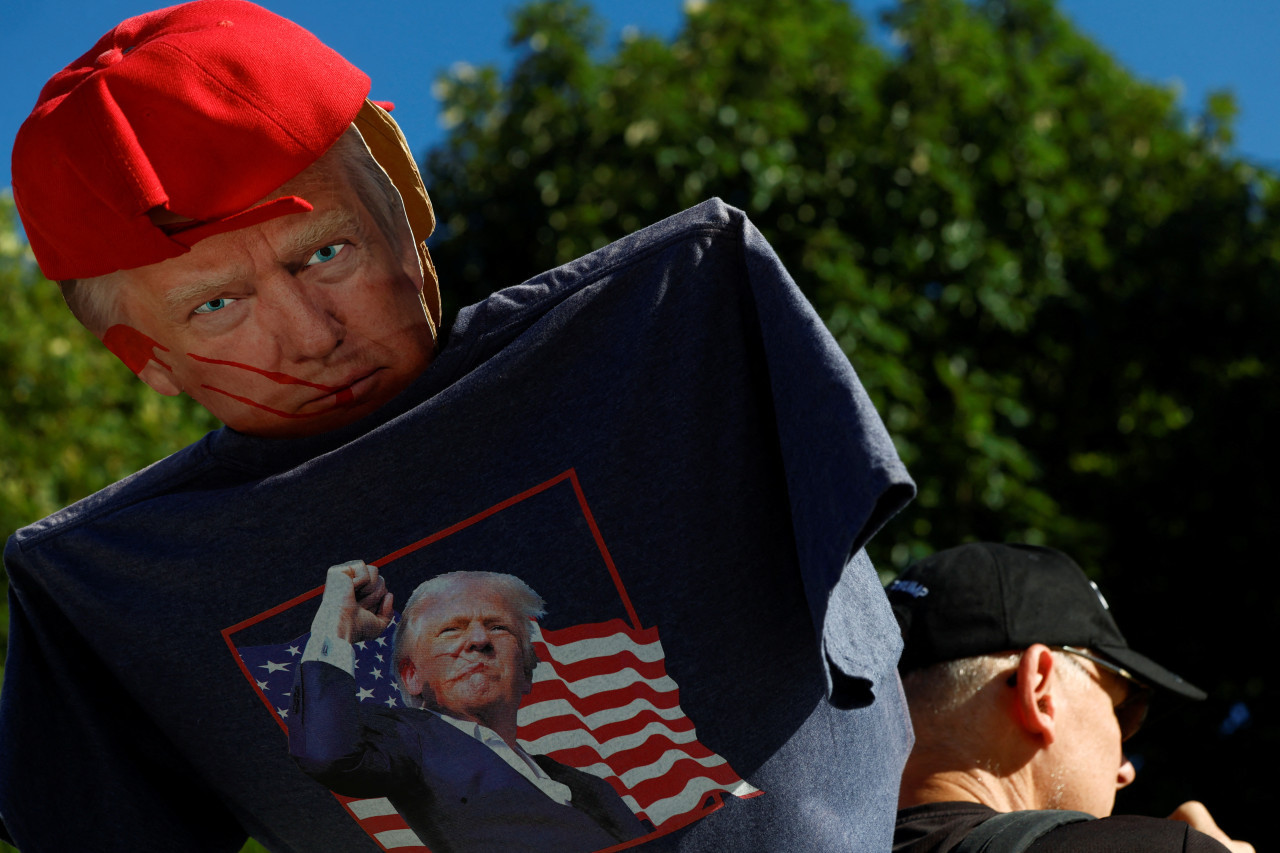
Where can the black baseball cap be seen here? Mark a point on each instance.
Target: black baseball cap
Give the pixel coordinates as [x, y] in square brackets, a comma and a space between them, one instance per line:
[982, 598]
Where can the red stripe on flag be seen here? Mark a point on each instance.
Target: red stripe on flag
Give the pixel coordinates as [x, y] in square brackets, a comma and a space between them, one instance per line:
[603, 734]
[600, 630]
[552, 691]
[675, 779]
[589, 667]
[646, 753]
[652, 756]
[380, 823]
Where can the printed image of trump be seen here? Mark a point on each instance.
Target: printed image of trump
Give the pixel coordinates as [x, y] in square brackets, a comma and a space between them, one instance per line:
[449, 761]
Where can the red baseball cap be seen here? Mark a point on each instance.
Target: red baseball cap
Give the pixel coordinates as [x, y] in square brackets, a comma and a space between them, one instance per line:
[199, 111]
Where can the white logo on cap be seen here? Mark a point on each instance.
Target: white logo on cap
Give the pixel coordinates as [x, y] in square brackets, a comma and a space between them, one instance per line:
[915, 589]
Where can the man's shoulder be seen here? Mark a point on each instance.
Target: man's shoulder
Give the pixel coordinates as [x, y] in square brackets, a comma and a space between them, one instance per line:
[965, 827]
[321, 688]
[1121, 833]
[940, 827]
[937, 827]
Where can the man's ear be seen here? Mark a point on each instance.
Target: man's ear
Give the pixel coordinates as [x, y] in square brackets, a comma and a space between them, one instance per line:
[1033, 693]
[409, 676]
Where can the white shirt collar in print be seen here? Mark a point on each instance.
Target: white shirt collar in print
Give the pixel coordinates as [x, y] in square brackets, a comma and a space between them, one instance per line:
[519, 760]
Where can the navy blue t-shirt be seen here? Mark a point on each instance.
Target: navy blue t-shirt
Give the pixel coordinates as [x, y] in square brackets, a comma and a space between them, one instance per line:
[661, 439]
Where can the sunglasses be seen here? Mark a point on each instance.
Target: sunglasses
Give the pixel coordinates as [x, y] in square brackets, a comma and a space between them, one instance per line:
[1132, 711]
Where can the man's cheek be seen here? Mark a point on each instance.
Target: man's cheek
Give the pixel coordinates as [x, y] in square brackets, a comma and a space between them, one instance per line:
[244, 375]
[255, 386]
[243, 383]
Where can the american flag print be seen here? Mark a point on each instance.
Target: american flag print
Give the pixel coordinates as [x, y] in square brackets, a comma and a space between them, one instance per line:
[602, 701]
[272, 669]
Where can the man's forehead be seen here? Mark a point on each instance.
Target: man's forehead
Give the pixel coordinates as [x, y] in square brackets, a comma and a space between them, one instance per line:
[224, 260]
[465, 600]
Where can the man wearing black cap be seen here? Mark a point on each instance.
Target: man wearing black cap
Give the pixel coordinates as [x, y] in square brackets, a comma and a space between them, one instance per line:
[1021, 690]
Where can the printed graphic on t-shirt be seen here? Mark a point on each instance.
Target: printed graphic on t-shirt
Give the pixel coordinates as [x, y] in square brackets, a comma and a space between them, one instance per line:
[604, 756]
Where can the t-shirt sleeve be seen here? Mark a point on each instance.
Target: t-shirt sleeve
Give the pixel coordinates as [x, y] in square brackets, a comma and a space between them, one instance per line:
[843, 475]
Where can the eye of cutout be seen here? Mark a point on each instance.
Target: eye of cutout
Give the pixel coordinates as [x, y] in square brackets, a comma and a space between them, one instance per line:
[214, 305]
[325, 254]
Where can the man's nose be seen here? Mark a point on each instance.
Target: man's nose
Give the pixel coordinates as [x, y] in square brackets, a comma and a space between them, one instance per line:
[302, 319]
[476, 636]
[1126, 774]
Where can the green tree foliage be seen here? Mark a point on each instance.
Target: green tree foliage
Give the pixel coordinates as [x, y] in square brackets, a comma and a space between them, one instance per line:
[1055, 283]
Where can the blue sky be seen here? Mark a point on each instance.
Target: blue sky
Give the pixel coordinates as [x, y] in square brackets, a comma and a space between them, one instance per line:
[1200, 46]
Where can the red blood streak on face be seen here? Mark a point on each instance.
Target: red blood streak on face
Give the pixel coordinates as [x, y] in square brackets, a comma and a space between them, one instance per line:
[133, 348]
[344, 397]
[279, 378]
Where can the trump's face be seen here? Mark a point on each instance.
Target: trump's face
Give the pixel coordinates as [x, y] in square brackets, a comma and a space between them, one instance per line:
[294, 326]
[467, 658]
